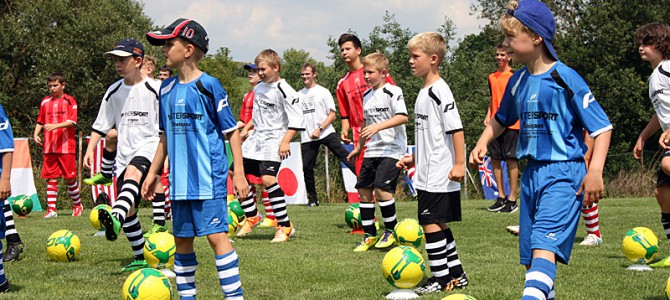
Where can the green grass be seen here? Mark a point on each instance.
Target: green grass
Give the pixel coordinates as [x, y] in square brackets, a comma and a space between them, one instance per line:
[319, 263]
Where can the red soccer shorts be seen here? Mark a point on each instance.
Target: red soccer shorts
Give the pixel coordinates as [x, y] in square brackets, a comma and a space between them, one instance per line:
[58, 165]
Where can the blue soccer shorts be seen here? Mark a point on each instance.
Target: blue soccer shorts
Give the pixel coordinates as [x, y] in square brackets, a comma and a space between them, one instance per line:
[199, 217]
[550, 208]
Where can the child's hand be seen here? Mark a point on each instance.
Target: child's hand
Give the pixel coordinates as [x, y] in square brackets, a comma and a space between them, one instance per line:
[593, 188]
[457, 173]
[5, 188]
[149, 187]
[284, 150]
[405, 163]
[477, 155]
[369, 131]
[353, 154]
[639, 147]
[49, 127]
[344, 136]
[316, 134]
[88, 160]
[664, 140]
[37, 139]
[244, 133]
[241, 186]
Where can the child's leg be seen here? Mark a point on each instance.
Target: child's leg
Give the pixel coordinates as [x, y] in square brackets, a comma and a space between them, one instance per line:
[269, 213]
[663, 198]
[14, 243]
[455, 267]
[3, 278]
[367, 209]
[133, 231]
[277, 200]
[591, 220]
[387, 207]
[540, 276]
[73, 191]
[226, 265]
[158, 205]
[185, 265]
[436, 247]
[52, 194]
[248, 204]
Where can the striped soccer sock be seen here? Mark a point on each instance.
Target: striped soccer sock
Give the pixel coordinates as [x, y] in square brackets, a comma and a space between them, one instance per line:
[248, 204]
[158, 205]
[52, 195]
[107, 164]
[278, 203]
[185, 265]
[455, 267]
[665, 220]
[133, 231]
[130, 192]
[436, 247]
[11, 234]
[368, 218]
[591, 220]
[388, 213]
[3, 278]
[73, 191]
[539, 280]
[229, 275]
[269, 213]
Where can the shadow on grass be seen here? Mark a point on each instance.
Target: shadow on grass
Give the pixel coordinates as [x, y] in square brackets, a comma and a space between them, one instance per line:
[15, 287]
[264, 236]
[655, 298]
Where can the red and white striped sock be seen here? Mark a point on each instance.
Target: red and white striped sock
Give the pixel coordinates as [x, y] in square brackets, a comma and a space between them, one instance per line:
[73, 190]
[52, 195]
[268, 207]
[591, 220]
[166, 190]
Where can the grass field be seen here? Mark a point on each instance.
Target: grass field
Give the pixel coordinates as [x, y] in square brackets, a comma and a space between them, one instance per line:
[319, 263]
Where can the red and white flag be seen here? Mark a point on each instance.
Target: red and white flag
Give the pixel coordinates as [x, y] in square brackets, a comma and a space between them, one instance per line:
[95, 168]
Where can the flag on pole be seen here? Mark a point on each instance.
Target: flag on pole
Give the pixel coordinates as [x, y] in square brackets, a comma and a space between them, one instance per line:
[290, 177]
[409, 173]
[22, 181]
[95, 168]
[488, 182]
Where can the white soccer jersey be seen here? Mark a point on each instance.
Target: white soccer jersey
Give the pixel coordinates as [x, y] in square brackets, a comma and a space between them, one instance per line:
[659, 93]
[381, 105]
[316, 104]
[276, 109]
[435, 120]
[133, 110]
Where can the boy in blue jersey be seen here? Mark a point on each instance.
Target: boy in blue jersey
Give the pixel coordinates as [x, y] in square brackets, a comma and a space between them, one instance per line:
[553, 104]
[7, 150]
[194, 116]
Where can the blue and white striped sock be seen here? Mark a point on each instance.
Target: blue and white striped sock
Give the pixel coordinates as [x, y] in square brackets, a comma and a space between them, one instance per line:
[229, 275]
[3, 278]
[539, 279]
[185, 265]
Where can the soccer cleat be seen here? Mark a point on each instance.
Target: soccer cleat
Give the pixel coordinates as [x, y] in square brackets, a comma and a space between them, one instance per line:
[99, 179]
[268, 223]
[431, 286]
[367, 242]
[513, 229]
[249, 224]
[498, 204]
[663, 263]
[135, 265]
[591, 240]
[458, 282]
[13, 251]
[77, 210]
[50, 214]
[387, 240]
[111, 224]
[509, 207]
[283, 234]
[156, 229]
[4, 287]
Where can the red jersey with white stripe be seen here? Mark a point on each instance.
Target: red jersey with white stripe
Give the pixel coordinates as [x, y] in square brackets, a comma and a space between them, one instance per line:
[247, 107]
[350, 90]
[58, 110]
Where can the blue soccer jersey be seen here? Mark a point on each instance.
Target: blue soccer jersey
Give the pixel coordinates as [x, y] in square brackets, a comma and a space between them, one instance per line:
[6, 135]
[554, 108]
[194, 117]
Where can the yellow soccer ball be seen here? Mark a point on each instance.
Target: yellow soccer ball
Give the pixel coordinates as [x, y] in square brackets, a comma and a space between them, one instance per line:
[640, 245]
[159, 250]
[93, 216]
[459, 297]
[63, 245]
[403, 267]
[408, 232]
[233, 223]
[147, 284]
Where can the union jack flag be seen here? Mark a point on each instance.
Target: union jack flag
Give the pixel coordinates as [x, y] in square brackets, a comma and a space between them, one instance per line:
[486, 174]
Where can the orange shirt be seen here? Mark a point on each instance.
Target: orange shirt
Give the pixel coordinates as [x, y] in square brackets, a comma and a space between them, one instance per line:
[497, 83]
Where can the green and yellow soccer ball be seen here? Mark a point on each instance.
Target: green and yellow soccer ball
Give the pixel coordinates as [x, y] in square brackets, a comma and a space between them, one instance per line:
[159, 250]
[93, 216]
[236, 208]
[233, 223]
[403, 267]
[408, 232]
[353, 216]
[63, 245]
[147, 284]
[22, 205]
[459, 297]
[640, 245]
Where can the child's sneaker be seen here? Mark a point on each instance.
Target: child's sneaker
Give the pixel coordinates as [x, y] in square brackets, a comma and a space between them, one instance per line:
[431, 286]
[367, 242]
[77, 210]
[509, 207]
[387, 240]
[4, 287]
[663, 263]
[591, 240]
[135, 265]
[268, 223]
[460, 281]
[249, 224]
[111, 224]
[99, 179]
[498, 204]
[283, 234]
[13, 251]
[155, 229]
[513, 229]
[50, 214]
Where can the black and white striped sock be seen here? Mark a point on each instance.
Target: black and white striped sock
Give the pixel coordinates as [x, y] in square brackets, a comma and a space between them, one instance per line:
[388, 213]
[158, 205]
[130, 191]
[248, 204]
[278, 204]
[107, 166]
[368, 218]
[133, 231]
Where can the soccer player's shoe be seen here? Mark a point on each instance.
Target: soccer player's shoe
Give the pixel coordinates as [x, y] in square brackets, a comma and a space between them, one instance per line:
[513, 229]
[367, 242]
[249, 224]
[387, 240]
[283, 234]
[99, 179]
[135, 265]
[509, 207]
[77, 210]
[13, 251]
[4, 287]
[591, 240]
[111, 224]
[50, 214]
[431, 286]
[498, 204]
[156, 229]
[460, 281]
[268, 223]
[663, 263]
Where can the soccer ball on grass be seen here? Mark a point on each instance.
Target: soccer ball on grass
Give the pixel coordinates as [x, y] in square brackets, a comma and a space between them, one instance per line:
[159, 250]
[63, 245]
[403, 267]
[147, 284]
[640, 245]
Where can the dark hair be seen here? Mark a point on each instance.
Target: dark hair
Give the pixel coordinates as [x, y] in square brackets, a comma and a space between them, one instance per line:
[348, 37]
[311, 66]
[500, 46]
[656, 35]
[56, 76]
[165, 68]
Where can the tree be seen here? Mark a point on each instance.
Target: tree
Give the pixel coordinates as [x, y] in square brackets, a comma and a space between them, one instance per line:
[221, 66]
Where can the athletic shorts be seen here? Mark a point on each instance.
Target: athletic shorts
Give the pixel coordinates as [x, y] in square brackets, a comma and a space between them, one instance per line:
[199, 217]
[255, 169]
[550, 210]
[379, 173]
[142, 164]
[57, 165]
[662, 177]
[504, 146]
[437, 208]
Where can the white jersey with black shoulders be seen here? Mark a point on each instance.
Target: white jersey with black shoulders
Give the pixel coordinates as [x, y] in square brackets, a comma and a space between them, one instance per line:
[378, 106]
[133, 110]
[659, 93]
[435, 120]
[276, 109]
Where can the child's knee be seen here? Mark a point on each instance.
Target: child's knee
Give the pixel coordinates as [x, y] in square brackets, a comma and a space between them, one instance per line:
[665, 165]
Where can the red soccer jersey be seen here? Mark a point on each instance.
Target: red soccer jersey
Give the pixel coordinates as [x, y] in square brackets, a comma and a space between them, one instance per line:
[247, 107]
[54, 111]
[350, 90]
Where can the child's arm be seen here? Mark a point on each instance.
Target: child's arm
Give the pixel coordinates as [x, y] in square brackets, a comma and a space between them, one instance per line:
[5, 184]
[285, 145]
[66, 124]
[372, 129]
[149, 185]
[647, 132]
[245, 130]
[488, 117]
[592, 184]
[493, 130]
[588, 140]
[239, 181]
[36, 133]
[405, 162]
[357, 150]
[457, 172]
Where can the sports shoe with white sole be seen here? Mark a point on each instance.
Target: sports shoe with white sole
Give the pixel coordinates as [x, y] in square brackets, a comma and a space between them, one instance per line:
[498, 204]
[249, 224]
[513, 229]
[591, 240]
[283, 234]
[50, 214]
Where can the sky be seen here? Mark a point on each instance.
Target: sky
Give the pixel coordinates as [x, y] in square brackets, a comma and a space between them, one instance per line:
[247, 27]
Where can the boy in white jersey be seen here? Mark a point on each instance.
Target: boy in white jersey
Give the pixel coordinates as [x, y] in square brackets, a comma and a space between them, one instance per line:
[385, 116]
[440, 163]
[277, 118]
[130, 105]
[654, 46]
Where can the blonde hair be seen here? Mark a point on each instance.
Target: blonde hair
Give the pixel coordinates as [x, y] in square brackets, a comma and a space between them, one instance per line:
[431, 43]
[377, 60]
[150, 61]
[270, 57]
[509, 24]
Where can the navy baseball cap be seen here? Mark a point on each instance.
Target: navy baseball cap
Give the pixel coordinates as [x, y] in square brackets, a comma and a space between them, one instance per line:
[250, 67]
[127, 47]
[538, 18]
[189, 30]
